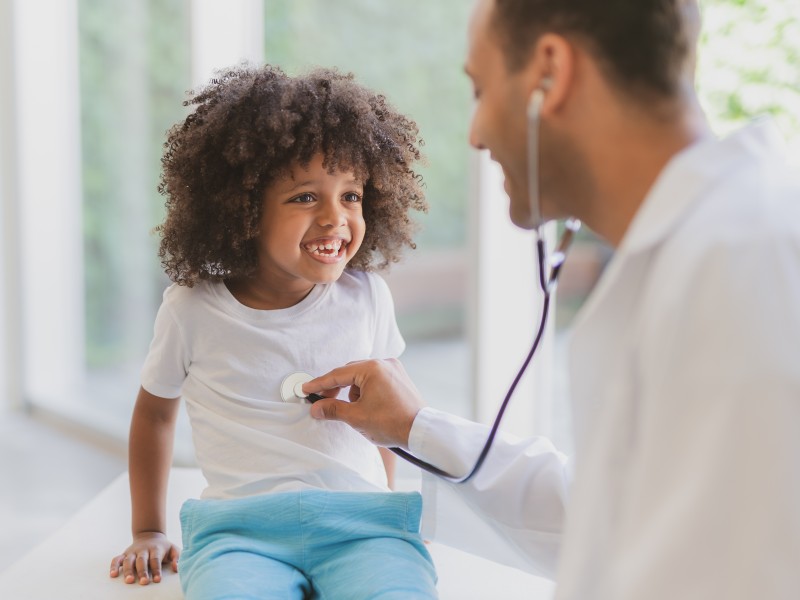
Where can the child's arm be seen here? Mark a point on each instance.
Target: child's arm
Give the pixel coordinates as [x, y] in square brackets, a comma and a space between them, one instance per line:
[149, 461]
[389, 462]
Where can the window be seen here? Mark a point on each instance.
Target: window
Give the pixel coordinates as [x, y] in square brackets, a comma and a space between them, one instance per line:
[98, 82]
[134, 66]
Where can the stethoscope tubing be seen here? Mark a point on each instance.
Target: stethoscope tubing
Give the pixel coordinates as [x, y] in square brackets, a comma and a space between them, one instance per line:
[547, 288]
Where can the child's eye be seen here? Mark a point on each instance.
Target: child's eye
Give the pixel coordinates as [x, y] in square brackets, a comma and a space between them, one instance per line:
[352, 197]
[303, 198]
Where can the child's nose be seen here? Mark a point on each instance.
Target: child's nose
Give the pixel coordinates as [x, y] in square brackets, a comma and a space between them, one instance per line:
[331, 214]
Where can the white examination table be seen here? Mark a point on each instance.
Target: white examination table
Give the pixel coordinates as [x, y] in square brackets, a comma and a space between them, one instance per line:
[73, 563]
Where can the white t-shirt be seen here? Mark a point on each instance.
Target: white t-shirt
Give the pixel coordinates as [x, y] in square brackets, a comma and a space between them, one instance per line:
[228, 360]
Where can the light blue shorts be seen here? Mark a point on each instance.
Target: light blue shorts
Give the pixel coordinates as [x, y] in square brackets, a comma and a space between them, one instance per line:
[308, 544]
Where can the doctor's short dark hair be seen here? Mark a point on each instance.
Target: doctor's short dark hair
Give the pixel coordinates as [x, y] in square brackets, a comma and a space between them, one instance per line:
[642, 45]
[249, 126]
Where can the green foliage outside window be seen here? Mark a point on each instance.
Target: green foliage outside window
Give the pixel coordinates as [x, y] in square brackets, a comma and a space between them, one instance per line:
[749, 63]
[134, 70]
[413, 52]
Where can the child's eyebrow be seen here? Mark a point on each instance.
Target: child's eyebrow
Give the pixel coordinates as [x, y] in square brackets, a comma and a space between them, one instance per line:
[307, 182]
[300, 184]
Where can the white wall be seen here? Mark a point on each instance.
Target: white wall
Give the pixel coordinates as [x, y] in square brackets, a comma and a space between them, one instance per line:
[224, 34]
[9, 289]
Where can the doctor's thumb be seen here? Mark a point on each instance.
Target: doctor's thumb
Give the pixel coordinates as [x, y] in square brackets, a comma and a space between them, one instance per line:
[330, 409]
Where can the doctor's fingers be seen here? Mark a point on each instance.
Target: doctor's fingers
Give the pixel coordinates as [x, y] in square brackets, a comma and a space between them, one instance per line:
[384, 378]
[330, 409]
[336, 379]
[354, 415]
[380, 423]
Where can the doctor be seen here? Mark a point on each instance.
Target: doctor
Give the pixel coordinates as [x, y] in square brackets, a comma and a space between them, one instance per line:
[685, 362]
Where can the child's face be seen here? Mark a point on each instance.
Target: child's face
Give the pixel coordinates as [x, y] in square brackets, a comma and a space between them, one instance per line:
[312, 225]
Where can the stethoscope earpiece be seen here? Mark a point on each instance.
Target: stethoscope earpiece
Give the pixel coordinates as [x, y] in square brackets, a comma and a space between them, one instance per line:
[537, 97]
[535, 103]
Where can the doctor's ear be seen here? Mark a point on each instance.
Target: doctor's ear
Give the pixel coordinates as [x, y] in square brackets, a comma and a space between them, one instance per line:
[550, 71]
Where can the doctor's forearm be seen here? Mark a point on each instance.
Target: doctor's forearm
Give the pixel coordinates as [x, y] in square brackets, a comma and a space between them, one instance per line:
[511, 512]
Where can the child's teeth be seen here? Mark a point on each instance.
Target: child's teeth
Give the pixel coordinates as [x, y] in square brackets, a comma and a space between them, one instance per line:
[320, 248]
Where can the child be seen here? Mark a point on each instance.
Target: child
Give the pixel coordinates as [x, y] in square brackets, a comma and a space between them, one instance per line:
[275, 184]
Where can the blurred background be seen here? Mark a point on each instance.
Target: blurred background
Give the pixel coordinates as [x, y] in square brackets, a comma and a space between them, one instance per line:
[88, 89]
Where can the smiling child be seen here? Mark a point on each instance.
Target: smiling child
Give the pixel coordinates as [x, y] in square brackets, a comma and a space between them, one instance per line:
[283, 194]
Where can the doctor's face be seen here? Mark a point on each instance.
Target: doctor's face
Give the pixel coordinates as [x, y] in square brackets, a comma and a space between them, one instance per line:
[500, 125]
[499, 121]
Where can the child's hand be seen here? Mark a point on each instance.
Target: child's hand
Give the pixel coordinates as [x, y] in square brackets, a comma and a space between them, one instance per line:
[144, 557]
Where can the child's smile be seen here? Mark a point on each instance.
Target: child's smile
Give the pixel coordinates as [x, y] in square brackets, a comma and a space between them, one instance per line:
[327, 250]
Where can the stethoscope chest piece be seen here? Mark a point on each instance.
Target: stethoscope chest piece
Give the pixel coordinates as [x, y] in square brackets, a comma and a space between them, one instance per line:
[292, 387]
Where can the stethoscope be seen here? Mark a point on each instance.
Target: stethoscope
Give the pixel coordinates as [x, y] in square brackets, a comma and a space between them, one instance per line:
[549, 269]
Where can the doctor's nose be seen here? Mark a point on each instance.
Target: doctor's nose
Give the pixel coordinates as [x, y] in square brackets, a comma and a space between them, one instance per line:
[474, 139]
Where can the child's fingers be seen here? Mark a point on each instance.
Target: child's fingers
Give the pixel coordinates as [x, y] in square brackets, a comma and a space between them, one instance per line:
[141, 561]
[116, 565]
[174, 554]
[129, 567]
[155, 565]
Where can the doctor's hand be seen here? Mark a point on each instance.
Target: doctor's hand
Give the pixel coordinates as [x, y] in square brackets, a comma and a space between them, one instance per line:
[383, 400]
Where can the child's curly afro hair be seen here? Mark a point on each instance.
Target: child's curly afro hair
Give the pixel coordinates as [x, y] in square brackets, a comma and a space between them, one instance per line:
[253, 124]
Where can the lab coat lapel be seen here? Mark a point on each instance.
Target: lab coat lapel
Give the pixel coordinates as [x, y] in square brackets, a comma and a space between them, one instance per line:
[609, 316]
[683, 182]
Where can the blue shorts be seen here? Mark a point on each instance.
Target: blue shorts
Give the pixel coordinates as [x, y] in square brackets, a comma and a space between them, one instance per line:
[308, 544]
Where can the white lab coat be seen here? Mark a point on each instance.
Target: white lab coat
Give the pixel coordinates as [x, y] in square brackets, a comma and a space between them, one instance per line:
[685, 391]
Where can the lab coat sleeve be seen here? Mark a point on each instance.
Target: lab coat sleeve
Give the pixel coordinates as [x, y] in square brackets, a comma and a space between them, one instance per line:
[511, 512]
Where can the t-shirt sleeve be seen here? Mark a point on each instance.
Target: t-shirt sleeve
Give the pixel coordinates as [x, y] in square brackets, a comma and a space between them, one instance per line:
[389, 343]
[167, 361]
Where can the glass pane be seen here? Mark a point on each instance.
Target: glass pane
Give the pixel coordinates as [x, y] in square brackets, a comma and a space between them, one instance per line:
[134, 70]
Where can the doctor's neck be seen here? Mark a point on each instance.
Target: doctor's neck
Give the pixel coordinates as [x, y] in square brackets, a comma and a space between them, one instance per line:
[627, 149]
